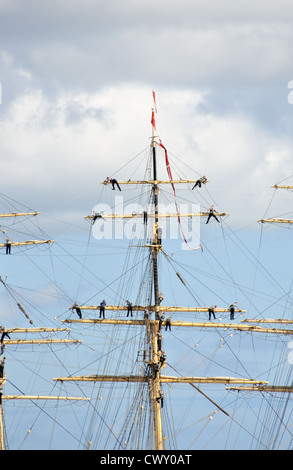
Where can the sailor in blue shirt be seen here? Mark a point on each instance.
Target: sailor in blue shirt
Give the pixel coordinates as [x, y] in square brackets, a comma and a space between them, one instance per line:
[102, 308]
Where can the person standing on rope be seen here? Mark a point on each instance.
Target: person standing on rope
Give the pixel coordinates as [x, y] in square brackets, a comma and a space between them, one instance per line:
[212, 312]
[8, 246]
[232, 310]
[75, 307]
[102, 308]
[129, 308]
[212, 214]
[145, 217]
[114, 181]
[200, 181]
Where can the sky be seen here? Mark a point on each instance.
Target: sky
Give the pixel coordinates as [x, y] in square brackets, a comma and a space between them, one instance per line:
[76, 97]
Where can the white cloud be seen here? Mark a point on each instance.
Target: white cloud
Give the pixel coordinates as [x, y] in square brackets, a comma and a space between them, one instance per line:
[91, 44]
[57, 150]
[77, 97]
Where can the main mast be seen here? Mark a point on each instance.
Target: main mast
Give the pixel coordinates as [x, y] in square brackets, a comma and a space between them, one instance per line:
[155, 190]
[154, 384]
[153, 370]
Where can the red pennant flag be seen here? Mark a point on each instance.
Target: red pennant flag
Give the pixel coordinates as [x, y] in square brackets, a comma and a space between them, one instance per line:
[172, 184]
[153, 120]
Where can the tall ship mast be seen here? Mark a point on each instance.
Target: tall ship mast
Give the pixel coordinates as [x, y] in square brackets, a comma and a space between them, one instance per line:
[137, 338]
[143, 426]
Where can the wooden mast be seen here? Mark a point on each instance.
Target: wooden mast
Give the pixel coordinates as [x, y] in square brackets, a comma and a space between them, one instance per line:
[29, 242]
[134, 216]
[19, 214]
[154, 383]
[202, 325]
[2, 445]
[154, 378]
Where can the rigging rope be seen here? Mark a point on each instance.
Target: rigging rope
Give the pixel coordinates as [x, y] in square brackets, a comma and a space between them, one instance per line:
[175, 199]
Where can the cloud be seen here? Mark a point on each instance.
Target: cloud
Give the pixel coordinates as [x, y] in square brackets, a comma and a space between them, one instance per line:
[90, 44]
[60, 151]
[76, 90]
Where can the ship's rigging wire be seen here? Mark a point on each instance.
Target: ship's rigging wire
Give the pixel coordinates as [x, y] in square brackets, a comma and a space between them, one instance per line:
[277, 415]
[285, 179]
[259, 249]
[123, 290]
[142, 152]
[242, 365]
[41, 410]
[83, 265]
[256, 258]
[95, 413]
[249, 251]
[233, 413]
[229, 417]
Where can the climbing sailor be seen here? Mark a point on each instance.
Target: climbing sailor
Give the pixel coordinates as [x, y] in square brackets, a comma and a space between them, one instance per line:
[161, 318]
[156, 369]
[232, 310]
[160, 337]
[129, 308]
[2, 364]
[160, 398]
[212, 312]
[200, 181]
[163, 357]
[8, 246]
[102, 308]
[114, 181]
[168, 323]
[75, 307]
[1, 393]
[95, 216]
[159, 235]
[212, 214]
[4, 333]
